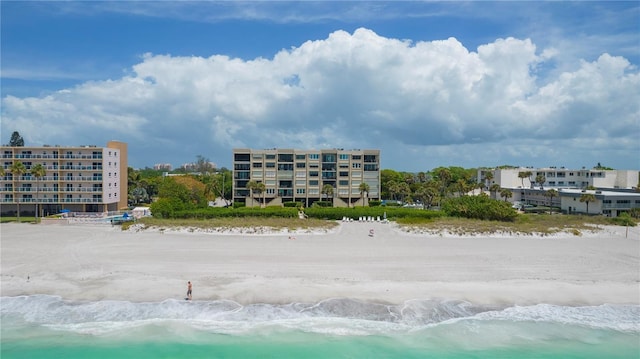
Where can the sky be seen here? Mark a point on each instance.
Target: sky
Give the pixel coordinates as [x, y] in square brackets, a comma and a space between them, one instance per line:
[469, 84]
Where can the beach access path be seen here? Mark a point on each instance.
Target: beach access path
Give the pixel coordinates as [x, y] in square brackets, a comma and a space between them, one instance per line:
[88, 262]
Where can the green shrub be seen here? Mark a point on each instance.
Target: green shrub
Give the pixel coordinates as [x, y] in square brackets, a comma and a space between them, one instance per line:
[239, 204]
[624, 219]
[292, 204]
[374, 203]
[479, 207]
[322, 204]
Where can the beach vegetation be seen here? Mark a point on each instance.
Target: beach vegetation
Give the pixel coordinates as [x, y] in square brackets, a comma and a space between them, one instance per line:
[479, 207]
[528, 224]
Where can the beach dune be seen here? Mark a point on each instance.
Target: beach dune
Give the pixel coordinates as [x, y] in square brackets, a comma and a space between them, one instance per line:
[105, 263]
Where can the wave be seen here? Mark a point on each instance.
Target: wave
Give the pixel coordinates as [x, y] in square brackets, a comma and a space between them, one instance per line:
[337, 316]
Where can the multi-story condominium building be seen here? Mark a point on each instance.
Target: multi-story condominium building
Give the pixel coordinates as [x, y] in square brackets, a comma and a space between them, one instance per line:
[78, 179]
[291, 175]
[163, 166]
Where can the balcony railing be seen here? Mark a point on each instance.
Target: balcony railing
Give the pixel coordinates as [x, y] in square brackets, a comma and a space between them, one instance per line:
[53, 200]
[52, 156]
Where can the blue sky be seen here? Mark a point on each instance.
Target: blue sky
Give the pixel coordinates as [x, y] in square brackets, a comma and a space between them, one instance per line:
[429, 83]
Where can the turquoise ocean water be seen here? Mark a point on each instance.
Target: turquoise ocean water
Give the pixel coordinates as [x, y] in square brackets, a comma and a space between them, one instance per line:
[43, 326]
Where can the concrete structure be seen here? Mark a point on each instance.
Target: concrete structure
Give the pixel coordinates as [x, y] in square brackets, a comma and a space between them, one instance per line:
[299, 175]
[77, 179]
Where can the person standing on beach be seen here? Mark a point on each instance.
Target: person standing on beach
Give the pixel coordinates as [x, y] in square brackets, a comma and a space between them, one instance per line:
[189, 287]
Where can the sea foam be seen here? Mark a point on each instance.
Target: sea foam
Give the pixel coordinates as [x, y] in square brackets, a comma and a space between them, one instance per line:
[338, 316]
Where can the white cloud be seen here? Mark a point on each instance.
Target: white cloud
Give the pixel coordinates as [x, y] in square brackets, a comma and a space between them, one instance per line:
[437, 100]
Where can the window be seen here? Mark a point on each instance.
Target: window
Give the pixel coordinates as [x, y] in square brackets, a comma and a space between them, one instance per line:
[271, 165]
[344, 156]
[343, 183]
[314, 156]
[301, 157]
[270, 157]
[344, 174]
[257, 165]
[301, 183]
[300, 191]
[270, 191]
[356, 157]
[356, 165]
[313, 183]
[270, 174]
[301, 174]
[313, 173]
[301, 165]
[285, 166]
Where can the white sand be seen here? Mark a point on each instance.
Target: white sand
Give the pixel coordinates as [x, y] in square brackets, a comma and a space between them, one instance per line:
[102, 262]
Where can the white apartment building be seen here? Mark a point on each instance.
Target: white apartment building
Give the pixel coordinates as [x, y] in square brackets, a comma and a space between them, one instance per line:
[614, 188]
[562, 178]
[77, 178]
[608, 203]
[292, 175]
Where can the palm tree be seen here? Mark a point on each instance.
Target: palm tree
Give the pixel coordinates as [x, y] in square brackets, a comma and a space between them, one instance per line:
[38, 171]
[522, 175]
[541, 179]
[17, 169]
[393, 189]
[364, 188]
[506, 193]
[494, 189]
[327, 191]
[261, 188]
[586, 198]
[488, 177]
[252, 186]
[551, 193]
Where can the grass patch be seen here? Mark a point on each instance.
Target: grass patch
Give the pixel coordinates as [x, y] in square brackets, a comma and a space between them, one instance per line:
[234, 222]
[23, 219]
[524, 224]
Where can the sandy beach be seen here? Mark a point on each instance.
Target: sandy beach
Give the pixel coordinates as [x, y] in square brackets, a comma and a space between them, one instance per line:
[86, 262]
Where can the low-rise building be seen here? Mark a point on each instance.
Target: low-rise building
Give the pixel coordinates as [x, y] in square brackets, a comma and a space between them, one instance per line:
[608, 203]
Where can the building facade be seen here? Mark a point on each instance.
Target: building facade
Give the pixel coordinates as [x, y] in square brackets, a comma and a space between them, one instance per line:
[608, 203]
[614, 188]
[562, 178]
[78, 179]
[292, 175]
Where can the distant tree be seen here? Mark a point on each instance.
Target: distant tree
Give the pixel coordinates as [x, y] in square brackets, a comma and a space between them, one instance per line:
[364, 188]
[494, 189]
[38, 171]
[16, 140]
[541, 179]
[601, 167]
[551, 193]
[261, 188]
[203, 165]
[586, 198]
[17, 169]
[488, 178]
[327, 191]
[252, 186]
[404, 190]
[524, 174]
[427, 193]
[506, 193]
